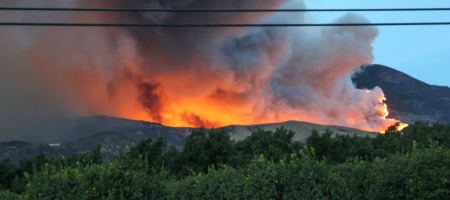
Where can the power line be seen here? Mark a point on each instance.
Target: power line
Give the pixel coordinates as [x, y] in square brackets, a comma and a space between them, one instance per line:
[219, 25]
[220, 10]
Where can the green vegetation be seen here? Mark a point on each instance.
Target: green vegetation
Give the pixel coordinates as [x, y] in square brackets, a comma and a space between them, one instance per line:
[265, 165]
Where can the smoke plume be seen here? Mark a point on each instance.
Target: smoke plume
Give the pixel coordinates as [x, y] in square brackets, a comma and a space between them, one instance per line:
[183, 76]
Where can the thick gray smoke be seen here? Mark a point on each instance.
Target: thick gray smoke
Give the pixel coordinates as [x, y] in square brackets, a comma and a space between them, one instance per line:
[182, 76]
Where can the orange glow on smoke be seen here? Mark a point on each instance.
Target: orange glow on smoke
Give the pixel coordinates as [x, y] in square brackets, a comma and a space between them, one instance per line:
[178, 109]
[218, 110]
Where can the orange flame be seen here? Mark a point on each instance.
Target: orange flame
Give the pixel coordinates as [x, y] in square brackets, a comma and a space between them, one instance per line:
[178, 109]
[399, 126]
[402, 126]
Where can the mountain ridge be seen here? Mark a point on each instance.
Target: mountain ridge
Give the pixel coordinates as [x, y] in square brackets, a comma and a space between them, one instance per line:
[408, 99]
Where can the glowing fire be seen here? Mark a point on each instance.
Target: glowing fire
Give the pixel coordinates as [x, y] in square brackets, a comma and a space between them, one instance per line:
[219, 110]
[399, 126]
[173, 104]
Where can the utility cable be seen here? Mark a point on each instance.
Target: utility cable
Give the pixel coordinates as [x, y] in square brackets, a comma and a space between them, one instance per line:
[220, 25]
[219, 10]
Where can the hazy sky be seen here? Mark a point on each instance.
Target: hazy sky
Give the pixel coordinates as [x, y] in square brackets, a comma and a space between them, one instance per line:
[423, 52]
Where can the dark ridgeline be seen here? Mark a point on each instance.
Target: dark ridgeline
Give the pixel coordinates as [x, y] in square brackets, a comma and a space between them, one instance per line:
[85, 133]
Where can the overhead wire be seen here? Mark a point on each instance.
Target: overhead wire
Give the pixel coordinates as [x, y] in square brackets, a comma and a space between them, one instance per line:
[216, 10]
[219, 25]
[221, 10]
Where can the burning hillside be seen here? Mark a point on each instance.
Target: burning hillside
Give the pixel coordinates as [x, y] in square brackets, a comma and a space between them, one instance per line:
[186, 76]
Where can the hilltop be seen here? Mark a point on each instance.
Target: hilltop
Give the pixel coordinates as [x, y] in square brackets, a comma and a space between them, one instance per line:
[408, 99]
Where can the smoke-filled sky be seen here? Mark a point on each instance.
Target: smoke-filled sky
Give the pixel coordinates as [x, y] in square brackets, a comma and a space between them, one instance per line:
[183, 76]
[419, 51]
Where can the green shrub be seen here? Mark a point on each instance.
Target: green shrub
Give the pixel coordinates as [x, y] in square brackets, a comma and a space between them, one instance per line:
[217, 184]
[301, 178]
[423, 174]
[429, 172]
[110, 180]
[383, 178]
[7, 173]
[6, 195]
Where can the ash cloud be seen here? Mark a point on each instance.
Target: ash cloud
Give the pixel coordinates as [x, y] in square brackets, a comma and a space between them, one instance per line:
[183, 76]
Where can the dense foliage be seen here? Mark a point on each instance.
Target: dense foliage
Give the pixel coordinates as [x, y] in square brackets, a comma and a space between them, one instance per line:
[266, 165]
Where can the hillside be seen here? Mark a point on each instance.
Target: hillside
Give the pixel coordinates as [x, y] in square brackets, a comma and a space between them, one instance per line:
[129, 133]
[302, 130]
[408, 99]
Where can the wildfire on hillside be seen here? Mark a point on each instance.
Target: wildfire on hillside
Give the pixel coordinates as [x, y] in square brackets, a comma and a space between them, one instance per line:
[398, 125]
[189, 77]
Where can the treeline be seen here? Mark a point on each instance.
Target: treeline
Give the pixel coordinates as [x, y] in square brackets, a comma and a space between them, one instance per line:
[266, 165]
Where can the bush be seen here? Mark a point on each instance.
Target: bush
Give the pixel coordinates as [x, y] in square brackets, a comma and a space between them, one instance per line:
[217, 184]
[6, 195]
[381, 179]
[423, 174]
[110, 180]
[301, 178]
[7, 173]
[429, 172]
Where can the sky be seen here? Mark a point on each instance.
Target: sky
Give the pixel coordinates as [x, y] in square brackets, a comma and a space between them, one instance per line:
[422, 52]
